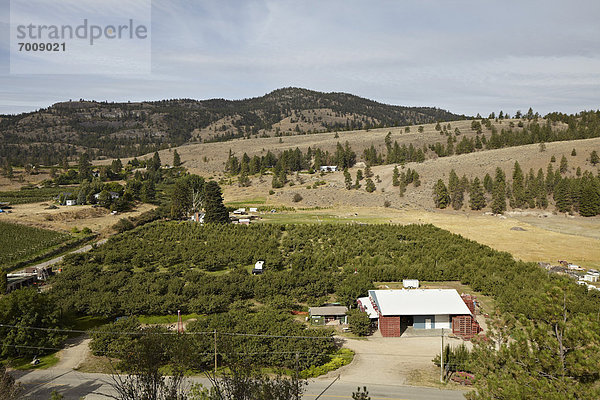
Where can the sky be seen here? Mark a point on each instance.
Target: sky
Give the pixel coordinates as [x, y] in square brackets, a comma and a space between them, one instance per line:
[467, 57]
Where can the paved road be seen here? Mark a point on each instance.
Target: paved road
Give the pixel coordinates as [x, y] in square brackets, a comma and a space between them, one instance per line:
[58, 259]
[75, 385]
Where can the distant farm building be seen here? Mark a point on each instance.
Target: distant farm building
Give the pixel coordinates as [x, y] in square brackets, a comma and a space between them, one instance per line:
[113, 195]
[258, 268]
[28, 277]
[396, 310]
[71, 202]
[328, 168]
[590, 277]
[410, 283]
[328, 315]
[253, 209]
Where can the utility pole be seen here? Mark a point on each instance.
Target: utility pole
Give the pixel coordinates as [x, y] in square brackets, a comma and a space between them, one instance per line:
[215, 332]
[442, 359]
[297, 378]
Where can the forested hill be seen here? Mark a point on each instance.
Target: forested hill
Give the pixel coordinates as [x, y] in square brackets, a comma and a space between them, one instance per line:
[128, 129]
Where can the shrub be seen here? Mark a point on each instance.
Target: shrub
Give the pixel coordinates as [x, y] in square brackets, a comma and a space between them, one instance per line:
[297, 197]
[341, 358]
[360, 323]
[123, 225]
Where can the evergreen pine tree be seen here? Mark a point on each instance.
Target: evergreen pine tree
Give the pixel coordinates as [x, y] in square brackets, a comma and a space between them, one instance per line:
[541, 196]
[347, 179]
[395, 176]
[401, 188]
[456, 191]
[359, 175]
[518, 188]
[213, 204]
[549, 179]
[156, 163]
[499, 192]
[148, 191]
[562, 196]
[176, 159]
[594, 159]
[369, 185]
[181, 200]
[564, 166]
[85, 166]
[476, 196]
[368, 172]
[488, 183]
[440, 195]
[589, 203]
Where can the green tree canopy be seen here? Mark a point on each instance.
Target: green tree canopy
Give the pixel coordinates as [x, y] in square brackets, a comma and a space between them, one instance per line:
[213, 204]
[176, 159]
[440, 195]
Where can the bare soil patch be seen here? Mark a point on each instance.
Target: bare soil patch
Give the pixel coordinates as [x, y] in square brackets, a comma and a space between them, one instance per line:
[65, 218]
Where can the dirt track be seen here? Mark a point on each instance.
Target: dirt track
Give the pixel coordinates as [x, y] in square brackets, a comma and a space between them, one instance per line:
[74, 353]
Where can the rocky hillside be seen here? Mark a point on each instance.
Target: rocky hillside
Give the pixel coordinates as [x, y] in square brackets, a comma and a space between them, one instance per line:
[127, 129]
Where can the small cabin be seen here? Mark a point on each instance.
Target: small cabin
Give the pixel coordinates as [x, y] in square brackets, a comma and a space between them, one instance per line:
[410, 283]
[328, 168]
[258, 268]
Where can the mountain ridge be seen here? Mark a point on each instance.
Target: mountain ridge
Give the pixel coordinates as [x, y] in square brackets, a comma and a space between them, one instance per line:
[122, 129]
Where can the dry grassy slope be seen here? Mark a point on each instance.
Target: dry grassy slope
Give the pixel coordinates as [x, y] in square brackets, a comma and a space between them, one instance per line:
[473, 164]
[216, 153]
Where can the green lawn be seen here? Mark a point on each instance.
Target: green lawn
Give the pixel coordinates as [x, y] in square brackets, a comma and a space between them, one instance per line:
[23, 364]
[317, 218]
[165, 319]
[252, 201]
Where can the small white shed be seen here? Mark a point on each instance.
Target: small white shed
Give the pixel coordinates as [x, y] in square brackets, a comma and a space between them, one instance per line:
[410, 283]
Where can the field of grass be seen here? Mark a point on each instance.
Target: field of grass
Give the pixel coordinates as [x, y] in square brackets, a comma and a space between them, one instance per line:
[85, 323]
[31, 195]
[248, 202]
[20, 242]
[314, 217]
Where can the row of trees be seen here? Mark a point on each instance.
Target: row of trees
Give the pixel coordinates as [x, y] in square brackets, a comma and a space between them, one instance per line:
[291, 160]
[579, 194]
